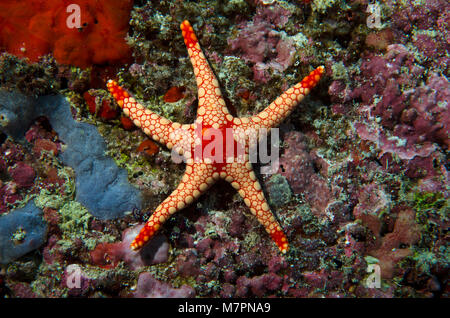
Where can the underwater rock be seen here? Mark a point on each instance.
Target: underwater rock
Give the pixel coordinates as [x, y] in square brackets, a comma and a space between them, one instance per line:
[258, 285]
[260, 43]
[22, 174]
[297, 166]
[396, 245]
[108, 255]
[411, 122]
[21, 231]
[17, 112]
[149, 287]
[279, 191]
[101, 186]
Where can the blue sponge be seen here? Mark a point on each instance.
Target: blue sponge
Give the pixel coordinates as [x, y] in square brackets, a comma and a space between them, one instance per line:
[17, 113]
[28, 221]
[101, 186]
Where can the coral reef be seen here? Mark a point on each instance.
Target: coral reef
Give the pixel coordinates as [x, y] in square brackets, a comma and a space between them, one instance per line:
[411, 122]
[362, 185]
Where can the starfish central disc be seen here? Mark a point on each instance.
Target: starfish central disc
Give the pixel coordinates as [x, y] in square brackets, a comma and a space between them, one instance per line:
[218, 146]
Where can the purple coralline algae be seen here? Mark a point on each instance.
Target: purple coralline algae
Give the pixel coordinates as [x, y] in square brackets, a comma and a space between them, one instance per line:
[149, 287]
[22, 174]
[259, 43]
[394, 245]
[407, 123]
[297, 165]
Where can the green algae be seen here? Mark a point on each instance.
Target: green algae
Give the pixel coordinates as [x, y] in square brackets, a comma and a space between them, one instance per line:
[234, 6]
[74, 218]
[123, 160]
[425, 259]
[234, 75]
[280, 192]
[340, 71]
[323, 5]
[252, 239]
[172, 111]
[310, 223]
[430, 252]
[431, 209]
[425, 201]
[217, 224]
[46, 199]
[34, 79]
[19, 235]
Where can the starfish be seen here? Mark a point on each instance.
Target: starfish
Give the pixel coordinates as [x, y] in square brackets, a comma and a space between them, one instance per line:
[209, 130]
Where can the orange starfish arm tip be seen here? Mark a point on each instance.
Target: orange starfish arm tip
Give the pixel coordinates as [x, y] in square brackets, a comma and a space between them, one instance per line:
[196, 180]
[117, 92]
[313, 78]
[190, 39]
[144, 236]
[280, 240]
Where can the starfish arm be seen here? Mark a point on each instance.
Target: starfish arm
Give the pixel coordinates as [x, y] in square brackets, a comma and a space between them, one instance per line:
[279, 109]
[154, 125]
[196, 180]
[243, 179]
[211, 105]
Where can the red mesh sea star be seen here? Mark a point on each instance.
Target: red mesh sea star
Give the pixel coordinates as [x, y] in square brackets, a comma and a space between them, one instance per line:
[213, 119]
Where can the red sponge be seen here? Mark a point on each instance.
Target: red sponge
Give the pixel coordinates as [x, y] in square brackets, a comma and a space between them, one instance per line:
[37, 27]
